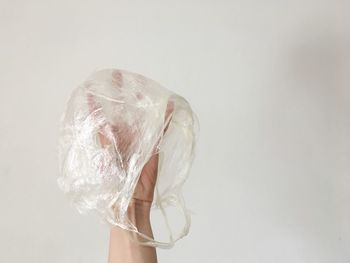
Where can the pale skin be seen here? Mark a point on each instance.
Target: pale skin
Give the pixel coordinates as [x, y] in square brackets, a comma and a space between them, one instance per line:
[122, 249]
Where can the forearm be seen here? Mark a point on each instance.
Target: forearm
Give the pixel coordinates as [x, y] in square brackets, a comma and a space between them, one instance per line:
[124, 250]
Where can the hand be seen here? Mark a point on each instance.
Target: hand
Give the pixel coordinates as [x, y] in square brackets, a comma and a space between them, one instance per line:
[144, 190]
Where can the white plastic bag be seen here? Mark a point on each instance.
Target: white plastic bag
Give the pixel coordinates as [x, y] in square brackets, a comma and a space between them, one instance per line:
[113, 124]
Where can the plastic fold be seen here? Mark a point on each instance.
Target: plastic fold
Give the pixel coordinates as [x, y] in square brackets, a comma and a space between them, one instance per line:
[114, 122]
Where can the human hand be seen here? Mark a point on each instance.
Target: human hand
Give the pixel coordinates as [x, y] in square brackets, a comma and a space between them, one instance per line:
[144, 190]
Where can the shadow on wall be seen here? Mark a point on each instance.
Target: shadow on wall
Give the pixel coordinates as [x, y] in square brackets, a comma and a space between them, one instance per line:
[320, 60]
[318, 73]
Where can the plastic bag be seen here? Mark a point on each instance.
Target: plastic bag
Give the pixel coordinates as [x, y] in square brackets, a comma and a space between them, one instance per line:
[113, 124]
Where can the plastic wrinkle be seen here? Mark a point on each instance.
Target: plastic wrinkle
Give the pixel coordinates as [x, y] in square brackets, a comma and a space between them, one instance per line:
[112, 125]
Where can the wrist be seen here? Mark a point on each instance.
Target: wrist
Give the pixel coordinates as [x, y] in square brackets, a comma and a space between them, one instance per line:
[139, 211]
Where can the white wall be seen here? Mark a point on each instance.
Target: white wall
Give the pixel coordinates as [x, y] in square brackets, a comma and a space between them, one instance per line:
[269, 81]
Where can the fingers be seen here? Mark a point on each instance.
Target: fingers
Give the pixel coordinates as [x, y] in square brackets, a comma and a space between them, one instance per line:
[117, 82]
[116, 131]
[117, 79]
[93, 110]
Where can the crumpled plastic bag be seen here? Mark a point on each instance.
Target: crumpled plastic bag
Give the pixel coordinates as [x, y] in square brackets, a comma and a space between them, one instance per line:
[131, 113]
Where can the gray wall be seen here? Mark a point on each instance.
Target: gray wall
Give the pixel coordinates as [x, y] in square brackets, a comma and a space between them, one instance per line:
[269, 81]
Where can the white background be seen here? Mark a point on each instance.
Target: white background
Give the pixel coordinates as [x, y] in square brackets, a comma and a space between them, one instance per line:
[269, 81]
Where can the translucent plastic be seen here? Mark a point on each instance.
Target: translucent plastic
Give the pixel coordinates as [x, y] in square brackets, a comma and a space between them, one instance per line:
[132, 114]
